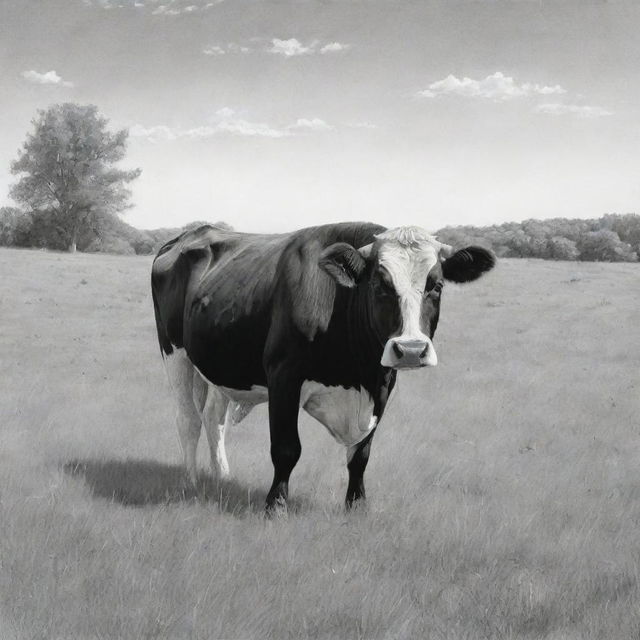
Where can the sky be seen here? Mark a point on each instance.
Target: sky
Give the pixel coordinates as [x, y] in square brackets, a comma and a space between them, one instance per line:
[277, 114]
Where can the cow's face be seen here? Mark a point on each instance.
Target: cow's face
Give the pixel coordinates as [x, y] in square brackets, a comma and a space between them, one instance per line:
[402, 276]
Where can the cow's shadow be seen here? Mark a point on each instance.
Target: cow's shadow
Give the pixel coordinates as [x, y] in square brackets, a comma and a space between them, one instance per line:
[138, 483]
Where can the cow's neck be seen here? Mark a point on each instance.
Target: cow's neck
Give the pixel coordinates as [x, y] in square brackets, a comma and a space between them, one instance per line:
[365, 346]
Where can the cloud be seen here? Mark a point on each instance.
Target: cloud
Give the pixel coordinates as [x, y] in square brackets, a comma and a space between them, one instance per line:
[582, 111]
[220, 50]
[156, 133]
[289, 48]
[50, 77]
[232, 47]
[158, 7]
[363, 125]
[227, 121]
[225, 112]
[213, 50]
[334, 47]
[310, 124]
[241, 127]
[494, 87]
[293, 47]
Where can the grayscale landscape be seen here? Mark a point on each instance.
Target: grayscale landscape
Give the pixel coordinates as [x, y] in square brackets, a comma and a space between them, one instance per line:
[503, 484]
[496, 140]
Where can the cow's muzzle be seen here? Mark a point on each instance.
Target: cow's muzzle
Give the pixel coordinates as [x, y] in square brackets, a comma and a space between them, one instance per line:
[409, 354]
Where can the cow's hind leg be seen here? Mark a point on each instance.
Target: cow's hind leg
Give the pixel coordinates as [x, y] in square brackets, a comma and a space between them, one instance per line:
[216, 418]
[182, 377]
[357, 458]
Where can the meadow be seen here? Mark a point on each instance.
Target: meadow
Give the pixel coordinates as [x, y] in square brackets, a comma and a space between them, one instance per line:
[504, 485]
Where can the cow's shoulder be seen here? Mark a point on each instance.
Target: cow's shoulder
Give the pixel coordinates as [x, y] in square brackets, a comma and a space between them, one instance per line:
[307, 292]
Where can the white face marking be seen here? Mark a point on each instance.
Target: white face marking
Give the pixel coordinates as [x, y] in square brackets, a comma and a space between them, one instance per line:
[408, 268]
[407, 254]
[346, 413]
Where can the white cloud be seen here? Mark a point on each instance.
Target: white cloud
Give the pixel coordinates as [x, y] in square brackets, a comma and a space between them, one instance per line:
[244, 128]
[158, 7]
[293, 47]
[220, 50]
[334, 47]
[363, 125]
[225, 112]
[232, 47]
[582, 111]
[289, 48]
[157, 133]
[227, 121]
[50, 77]
[310, 124]
[494, 87]
[213, 50]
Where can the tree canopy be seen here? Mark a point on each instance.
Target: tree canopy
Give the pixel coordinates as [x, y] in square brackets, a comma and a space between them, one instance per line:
[68, 176]
[611, 238]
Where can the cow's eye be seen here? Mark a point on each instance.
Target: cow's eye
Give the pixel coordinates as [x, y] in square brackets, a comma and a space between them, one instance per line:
[436, 290]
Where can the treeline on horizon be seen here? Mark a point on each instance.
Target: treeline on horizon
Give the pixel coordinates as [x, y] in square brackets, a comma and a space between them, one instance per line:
[611, 238]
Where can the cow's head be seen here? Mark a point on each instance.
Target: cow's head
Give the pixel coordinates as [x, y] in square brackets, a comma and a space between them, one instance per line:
[401, 276]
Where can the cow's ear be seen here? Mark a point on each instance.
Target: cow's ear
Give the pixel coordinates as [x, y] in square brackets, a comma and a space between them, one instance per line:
[343, 263]
[468, 264]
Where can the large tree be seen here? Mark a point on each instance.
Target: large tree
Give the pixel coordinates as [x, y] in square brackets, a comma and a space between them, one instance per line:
[67, 169]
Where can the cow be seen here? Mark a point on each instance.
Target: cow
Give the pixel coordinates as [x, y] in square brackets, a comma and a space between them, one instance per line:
[322, 318]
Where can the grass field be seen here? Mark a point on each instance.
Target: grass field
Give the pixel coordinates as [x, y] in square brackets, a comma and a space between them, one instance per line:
[504, 485]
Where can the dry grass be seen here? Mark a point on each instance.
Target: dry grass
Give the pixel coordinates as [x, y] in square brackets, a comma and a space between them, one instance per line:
[504, 485]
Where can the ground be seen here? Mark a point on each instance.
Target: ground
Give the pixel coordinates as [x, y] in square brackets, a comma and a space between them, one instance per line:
[504, 485]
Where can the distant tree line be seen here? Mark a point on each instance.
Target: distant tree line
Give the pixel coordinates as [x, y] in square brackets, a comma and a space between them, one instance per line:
[611, 238]
[104, 234]
[70, 191]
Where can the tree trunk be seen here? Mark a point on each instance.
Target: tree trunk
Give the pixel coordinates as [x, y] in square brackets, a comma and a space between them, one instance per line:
[74, 237]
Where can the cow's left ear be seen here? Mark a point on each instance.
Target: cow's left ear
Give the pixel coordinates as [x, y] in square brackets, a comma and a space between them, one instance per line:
[468, 264]
[343, 263]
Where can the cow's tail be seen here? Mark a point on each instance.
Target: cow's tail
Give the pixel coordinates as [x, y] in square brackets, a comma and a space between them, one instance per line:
[166, 348]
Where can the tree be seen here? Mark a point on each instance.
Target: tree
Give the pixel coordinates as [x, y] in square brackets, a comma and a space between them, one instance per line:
[9, 220]
[559, 248]
[605, 246]
[196, 224]
[68, 172]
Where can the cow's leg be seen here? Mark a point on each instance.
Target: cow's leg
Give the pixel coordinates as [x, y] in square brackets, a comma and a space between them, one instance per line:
[182, 377]
[215, 417]
[284, 399]
[357, 458]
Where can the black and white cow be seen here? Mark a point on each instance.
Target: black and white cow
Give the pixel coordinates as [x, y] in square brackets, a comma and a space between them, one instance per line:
[321, 318]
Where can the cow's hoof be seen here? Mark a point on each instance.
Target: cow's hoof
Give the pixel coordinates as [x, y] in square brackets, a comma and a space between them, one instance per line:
[277, 509]
[355, 505]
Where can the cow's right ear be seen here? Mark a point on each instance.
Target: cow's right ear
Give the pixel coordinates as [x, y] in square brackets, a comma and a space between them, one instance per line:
[343, 263]
[467, 264]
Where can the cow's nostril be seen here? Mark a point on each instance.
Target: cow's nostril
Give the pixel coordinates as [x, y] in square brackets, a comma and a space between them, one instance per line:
[397, 349]
[424, 353]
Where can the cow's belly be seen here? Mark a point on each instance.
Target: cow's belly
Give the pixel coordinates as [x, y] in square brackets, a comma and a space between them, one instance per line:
[346, 413]
[256, 395]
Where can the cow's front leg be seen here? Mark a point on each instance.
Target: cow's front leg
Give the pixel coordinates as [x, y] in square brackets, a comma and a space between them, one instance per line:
[284, 399]
[357, 458]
